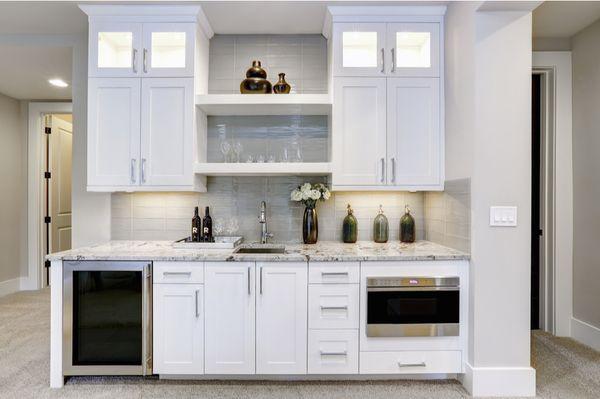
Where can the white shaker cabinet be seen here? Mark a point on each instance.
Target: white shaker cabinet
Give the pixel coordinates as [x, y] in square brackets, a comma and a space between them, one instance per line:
[413, 49]
[168, 49]
[281, 322]
[114, 49]
[113, 132]
[178, 336]
[359, 49]
[230, 318]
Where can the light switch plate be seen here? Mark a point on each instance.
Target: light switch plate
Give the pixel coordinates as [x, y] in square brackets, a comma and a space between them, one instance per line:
[503, 216]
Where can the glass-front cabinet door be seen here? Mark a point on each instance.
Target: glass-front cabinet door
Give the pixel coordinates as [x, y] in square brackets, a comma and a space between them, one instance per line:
[168, 49]
[114, 49]
[359, 49]
[413, 49]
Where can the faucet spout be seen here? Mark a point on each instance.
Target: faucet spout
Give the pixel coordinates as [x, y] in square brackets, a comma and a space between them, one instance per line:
[262, 219]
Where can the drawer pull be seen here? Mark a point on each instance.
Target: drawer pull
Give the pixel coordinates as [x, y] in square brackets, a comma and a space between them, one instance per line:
[177, 273]
[334, 307]
[334, 274]
[422, 364]
[342, 353]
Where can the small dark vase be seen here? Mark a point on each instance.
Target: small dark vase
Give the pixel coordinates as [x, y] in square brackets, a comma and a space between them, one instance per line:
[407, 227]
[256, 80]
[310, 226]
[349, 227]
[281, 87]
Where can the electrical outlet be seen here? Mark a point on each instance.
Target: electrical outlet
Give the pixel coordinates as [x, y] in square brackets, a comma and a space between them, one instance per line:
[503, 216]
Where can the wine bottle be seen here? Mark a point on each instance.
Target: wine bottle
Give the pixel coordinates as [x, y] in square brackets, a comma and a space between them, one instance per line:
[196, 226]
[207, 233]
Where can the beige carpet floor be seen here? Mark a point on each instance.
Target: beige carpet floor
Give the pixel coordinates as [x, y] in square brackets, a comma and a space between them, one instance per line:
[565, 369]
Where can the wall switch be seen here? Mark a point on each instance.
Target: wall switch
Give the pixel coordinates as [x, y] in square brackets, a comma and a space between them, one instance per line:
[503, 216]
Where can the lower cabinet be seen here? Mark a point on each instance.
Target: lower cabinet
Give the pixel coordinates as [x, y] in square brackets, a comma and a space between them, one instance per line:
[333, 352]
[178, 333]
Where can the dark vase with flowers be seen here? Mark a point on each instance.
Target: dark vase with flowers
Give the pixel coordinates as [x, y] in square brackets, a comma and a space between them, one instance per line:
[310, 226]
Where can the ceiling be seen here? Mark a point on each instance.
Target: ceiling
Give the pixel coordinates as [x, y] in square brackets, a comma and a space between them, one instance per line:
[25, 70]
[563, 19]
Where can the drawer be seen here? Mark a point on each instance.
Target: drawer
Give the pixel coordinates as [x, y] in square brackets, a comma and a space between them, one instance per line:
[333, 272]
[332, 351]
[333, 306]
[411, 362]
[178, 272]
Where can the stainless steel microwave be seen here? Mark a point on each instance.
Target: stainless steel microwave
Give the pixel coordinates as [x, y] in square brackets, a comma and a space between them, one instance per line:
[107, 318]
[413, 306]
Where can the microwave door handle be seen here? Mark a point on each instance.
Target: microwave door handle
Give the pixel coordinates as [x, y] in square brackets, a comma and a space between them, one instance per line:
[409, 289]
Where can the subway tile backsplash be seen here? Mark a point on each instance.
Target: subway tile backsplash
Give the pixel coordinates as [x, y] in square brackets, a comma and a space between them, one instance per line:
[234, 204]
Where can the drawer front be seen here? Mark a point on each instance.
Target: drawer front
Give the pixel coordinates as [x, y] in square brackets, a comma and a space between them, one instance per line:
[333, 272]
[411, 362]
[332, 351]
[333, 306]
[178, 272]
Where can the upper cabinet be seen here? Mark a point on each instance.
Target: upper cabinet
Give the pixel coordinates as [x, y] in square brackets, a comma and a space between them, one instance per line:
[130, 49]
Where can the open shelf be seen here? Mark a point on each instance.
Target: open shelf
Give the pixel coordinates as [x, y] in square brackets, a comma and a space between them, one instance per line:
[263, 169]
[264, 104]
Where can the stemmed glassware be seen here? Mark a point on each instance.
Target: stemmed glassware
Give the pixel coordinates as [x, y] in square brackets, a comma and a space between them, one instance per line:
[237, 150]
[225, 150]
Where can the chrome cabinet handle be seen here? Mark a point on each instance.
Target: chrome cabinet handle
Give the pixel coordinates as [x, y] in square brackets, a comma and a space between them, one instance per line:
[342, 353]
[261, 280]
[334, 307]
[393, 170]
[197, 312]
[393, 60]
[334, 273]
[422, 364]
[133, 162]
[143, 170]
[382, 60]
[134, 60]
[382, 169]
[145, 61]
[177, 273]
[248, 280]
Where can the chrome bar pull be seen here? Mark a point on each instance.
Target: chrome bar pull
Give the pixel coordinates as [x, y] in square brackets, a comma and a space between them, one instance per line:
[133, 162]
[393, 170]
[382, 170]
[249, 292]
[145, 61]
[393, 60]
[341, 353]
[197, 311]
[261, 283]
[422, 364]
[177, 273]
[334, 307]
[134, 60]
[334, 273]
[143, 170]
[382, 60]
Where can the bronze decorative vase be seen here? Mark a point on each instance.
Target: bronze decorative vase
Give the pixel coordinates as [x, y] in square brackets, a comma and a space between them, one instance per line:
[256, 80]
[310, 226]
[281, 87]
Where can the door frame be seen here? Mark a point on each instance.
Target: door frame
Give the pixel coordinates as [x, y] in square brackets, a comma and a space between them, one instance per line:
[556, 268]
[35, 188]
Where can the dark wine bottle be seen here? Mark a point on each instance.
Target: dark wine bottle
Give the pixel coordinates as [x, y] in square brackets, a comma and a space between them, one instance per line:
[196, 226]
[207, 233]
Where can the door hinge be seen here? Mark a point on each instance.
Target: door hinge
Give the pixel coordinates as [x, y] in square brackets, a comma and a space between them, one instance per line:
[47, 219]
[47, 263]
[47, 175]
[48, 130]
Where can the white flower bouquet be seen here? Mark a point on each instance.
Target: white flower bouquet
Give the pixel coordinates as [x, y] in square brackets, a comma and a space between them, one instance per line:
[309, 194]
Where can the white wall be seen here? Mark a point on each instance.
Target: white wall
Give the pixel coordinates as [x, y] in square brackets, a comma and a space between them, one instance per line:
[586, 185]
[13, 199]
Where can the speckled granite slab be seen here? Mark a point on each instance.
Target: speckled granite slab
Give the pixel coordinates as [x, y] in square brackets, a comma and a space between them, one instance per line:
[326, 251]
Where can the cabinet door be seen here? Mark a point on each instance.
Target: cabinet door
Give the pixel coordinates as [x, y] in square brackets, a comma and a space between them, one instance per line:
[414, 49]
[359, 49]
[114, 49]
[113, 131]
[168, 49]
[167, 131]
[414, 134]
[230, 318]
[281, 318]
[358, 131]
[178, 329]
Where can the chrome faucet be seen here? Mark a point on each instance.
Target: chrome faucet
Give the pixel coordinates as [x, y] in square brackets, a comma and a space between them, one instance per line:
[262, 219]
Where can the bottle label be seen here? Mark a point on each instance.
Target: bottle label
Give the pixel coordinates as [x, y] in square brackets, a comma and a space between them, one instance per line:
[206, 230]
[194, 230]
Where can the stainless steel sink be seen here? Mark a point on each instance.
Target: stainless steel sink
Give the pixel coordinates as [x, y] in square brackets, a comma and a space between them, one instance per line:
[261, 250]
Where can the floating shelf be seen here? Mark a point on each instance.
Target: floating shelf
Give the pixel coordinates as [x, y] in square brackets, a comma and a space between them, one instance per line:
[264, 104]
[263, 169]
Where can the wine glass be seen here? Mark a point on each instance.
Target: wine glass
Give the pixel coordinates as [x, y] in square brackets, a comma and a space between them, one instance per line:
[260, 159]
[225, 150]
[237, 150]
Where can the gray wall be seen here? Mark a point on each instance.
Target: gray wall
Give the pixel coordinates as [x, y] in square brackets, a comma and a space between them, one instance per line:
[13, 180]
[586, 183]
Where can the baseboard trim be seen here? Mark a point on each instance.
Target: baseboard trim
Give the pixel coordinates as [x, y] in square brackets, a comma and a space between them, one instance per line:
[10, 286]
[585, 333]
[499, 381]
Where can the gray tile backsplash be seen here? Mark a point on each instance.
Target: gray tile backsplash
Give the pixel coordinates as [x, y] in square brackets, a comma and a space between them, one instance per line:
[448, 215]
[234, 204]
[303, 58]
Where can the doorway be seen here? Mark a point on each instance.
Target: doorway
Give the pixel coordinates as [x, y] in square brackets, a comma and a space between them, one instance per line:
[536, 206]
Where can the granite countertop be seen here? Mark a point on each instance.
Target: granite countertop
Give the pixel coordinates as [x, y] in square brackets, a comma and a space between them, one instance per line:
[324, 251]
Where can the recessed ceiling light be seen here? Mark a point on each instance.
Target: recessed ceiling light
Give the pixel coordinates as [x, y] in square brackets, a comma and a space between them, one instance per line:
[58, 82]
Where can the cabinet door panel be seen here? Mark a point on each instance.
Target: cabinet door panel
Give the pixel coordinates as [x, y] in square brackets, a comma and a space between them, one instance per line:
[359, 138]
[281, 322]
[359, 49]
[230, 318]
[113, 131]
[114, 49]
[414, 134]
[168, 49]
[414, 49]
[167, 131]
[178, 329]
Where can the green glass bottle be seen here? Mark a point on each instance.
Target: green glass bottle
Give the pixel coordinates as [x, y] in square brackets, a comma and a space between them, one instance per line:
[407, 226]
[380, 227]
[350, 227]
